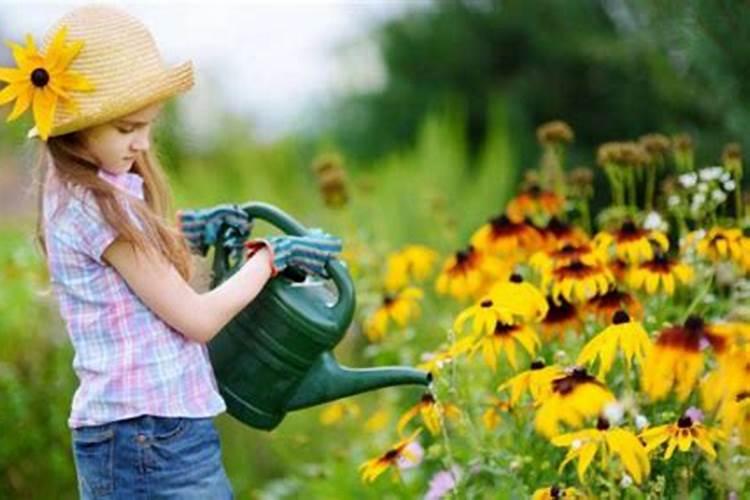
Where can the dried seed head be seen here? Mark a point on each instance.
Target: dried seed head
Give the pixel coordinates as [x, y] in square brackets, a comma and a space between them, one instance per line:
[554, 132]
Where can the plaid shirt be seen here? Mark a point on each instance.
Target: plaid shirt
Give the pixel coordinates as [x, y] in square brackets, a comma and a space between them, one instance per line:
[128, 361]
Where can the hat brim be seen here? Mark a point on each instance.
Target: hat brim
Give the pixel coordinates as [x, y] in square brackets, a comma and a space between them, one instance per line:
[171, 82]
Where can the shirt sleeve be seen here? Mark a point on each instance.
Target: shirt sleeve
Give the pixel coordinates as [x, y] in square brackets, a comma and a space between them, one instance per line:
[94, 232]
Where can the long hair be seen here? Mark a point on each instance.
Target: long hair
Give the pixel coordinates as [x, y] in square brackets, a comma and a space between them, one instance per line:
[73, 166]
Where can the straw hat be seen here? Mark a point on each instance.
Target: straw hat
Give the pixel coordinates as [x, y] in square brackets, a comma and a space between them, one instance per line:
[120, 60]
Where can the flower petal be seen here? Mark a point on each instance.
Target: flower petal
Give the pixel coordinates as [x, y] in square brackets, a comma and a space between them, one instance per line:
[45, 103]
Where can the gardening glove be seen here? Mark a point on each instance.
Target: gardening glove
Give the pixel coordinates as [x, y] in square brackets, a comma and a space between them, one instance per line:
[310, 252]
[201, 227]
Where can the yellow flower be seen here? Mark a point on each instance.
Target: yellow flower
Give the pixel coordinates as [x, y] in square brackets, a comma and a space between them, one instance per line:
[533, 201]
[503, 340]
[336, 411]
[467, 273]
[628, 335]
[556, 493]
[661, 272]
[401, 308]
[520, 297]
[413, 262]
[620, 442]
[565, 253]
[676, 359]
[721, 244]
[557, 233]
[603, 307]
[633, 244]
[577, 281]
[575, 397]
[431, 412]
[40, 80]
[372, 468]
[485, 315]
[682, 435]
[491, 416]
[561, 317]
[377, 420]
[537, 380]
[501, 236]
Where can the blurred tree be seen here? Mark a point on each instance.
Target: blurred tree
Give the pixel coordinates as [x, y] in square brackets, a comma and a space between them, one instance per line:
[607, 67]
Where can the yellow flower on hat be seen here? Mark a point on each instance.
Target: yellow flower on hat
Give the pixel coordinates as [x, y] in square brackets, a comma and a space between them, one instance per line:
[40, 80]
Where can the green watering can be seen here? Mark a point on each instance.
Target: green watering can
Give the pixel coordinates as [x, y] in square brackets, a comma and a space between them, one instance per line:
[275, 355]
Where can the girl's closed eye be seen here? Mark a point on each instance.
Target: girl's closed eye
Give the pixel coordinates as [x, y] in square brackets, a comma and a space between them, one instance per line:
[123, 130]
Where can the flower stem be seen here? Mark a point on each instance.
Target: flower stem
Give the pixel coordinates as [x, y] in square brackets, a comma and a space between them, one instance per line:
[650, 186]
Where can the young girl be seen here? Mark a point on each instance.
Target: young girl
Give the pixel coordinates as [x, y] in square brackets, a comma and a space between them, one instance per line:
[142, 417]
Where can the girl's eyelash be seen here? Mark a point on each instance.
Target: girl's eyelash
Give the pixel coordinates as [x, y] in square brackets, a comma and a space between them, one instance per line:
[124, 131]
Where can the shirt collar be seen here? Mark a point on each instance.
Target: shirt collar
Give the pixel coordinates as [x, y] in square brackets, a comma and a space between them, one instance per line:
[129, 182]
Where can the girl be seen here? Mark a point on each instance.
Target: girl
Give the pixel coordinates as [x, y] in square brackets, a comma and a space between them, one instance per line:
[142, 416]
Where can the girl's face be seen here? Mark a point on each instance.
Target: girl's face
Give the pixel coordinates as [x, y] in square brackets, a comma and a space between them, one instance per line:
[115, 145]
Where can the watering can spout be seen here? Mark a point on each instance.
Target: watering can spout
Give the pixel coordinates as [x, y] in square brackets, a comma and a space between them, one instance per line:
[328, 381]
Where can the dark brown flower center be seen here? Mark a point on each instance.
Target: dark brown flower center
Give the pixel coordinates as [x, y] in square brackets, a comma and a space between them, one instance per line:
[565, 385]
[486, 303]
[39, 77]
[427, 398]
[695, 324]
[685, 422]
[628, 228]
[388, 299]
[602, 423]
[537, 364]
[516, 278]
[555, 492]
[504, 328]
[620, 317]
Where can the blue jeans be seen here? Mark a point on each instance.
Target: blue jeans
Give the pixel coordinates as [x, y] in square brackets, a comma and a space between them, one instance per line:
[151, 457]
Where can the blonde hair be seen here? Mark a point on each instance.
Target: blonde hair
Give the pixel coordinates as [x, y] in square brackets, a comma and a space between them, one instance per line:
[73, 166]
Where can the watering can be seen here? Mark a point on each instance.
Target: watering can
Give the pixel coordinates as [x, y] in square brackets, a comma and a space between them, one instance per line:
[276, 354]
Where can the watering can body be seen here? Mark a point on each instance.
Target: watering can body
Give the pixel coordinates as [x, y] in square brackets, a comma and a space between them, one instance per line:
[276, 354]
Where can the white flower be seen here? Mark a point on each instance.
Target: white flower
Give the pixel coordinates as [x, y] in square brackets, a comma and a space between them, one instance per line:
[614, 412]
[719, 196]
[702, 187]
[725, 177]
[699, 199]
[626, 481]
[729, 186]
[654, 222]
[641, 422]
[688, 180]
[673, 200]
[710, 173]
[414, 452]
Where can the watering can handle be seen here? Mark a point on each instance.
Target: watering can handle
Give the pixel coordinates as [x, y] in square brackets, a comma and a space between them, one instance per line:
[336, 270]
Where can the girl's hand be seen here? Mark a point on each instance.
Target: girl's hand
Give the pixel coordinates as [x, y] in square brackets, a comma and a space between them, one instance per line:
[309, 253]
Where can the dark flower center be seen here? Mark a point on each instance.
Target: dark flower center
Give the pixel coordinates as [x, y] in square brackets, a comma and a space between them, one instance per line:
[555, 492]
[694, 324]
[516, 278]
[390, 455]
[535, 191]
[428, 398]
[503, 328]
[602, 424]
[464, 255]
[685, 422]
[620, 317]
[628, 228]
[537, 364]
[500, 222]
[565, 385]
[486, 303]
[568, 248]
[388, 299]
[39, 77]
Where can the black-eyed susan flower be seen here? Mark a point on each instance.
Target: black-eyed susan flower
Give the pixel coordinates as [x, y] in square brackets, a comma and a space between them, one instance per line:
[520, 297]
[633, 244]
[624, 334]
[412, 263]
[676, 359]
[557, 233]
[502, 236]
[577, 282]
[537, 380]
[41, 80]
[533, 201]
[335, 412]
[561, 318]
[661, 273]
[496, 407]
[557, 492]
[485, 314]
[432, 413]
[467, 273]
[371, 469]
[565, 253]
[575, 397]
[611, 442]
[682, 435]
[603, 307]
[400, 307]
[721, 244]
[734, 416]
[503, 339]
[619, 269]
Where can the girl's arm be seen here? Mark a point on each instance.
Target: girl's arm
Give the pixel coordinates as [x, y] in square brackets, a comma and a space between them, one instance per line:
[198, 316]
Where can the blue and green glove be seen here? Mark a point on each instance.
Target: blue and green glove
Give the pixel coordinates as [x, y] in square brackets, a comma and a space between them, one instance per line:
[201, 227]
[309, 253]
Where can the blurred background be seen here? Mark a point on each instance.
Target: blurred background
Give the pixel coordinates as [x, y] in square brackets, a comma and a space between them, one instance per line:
[426, 112]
